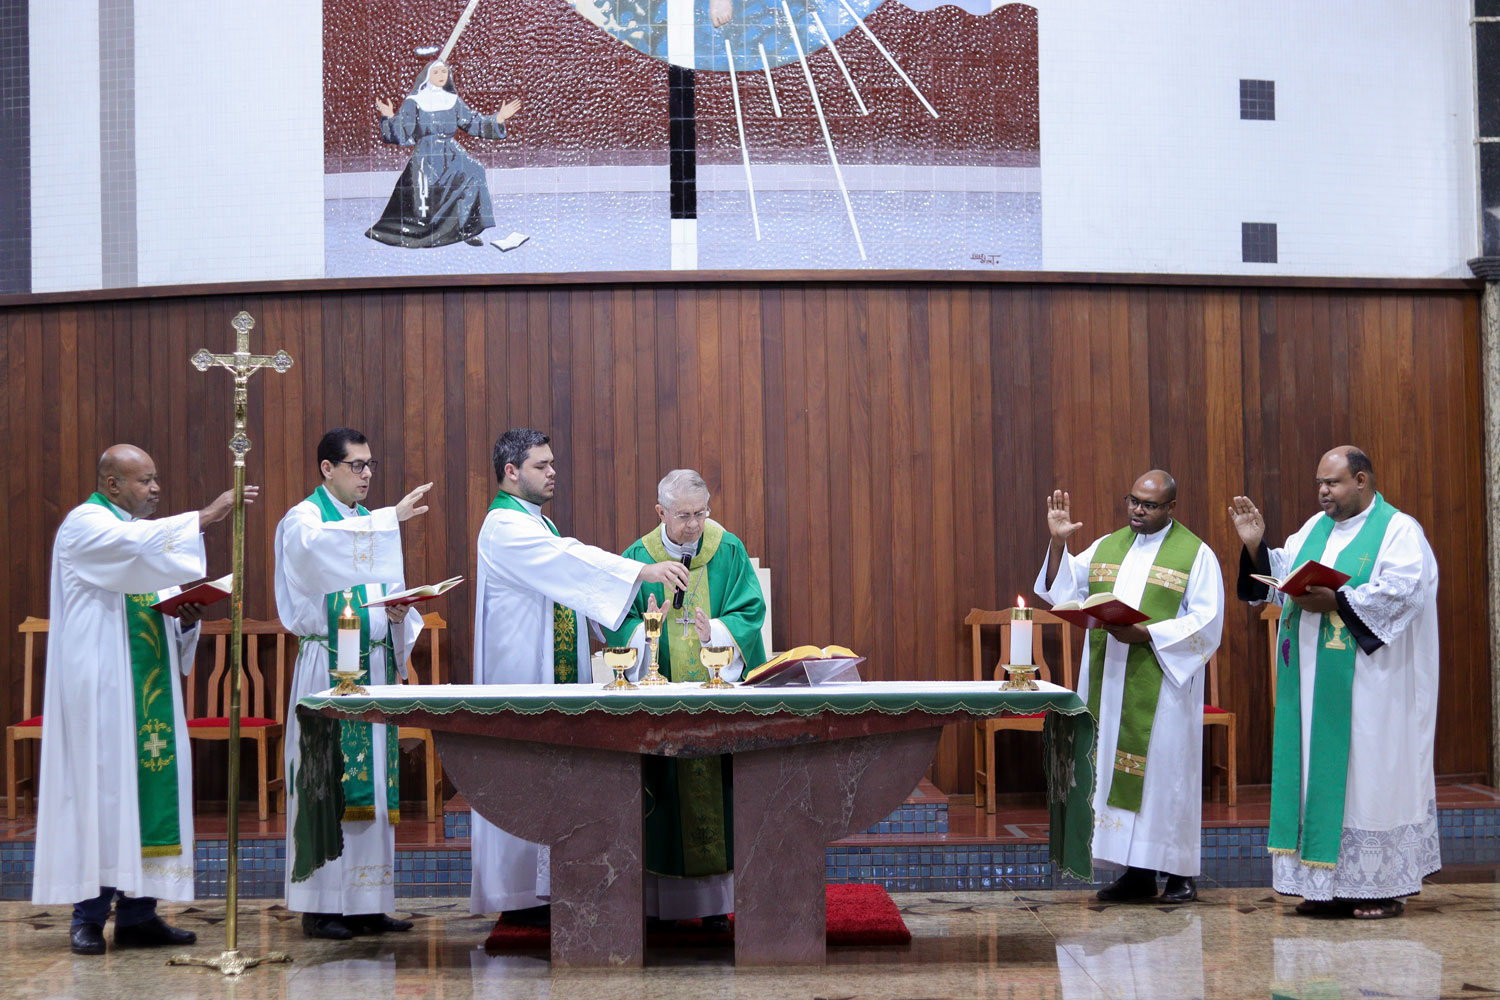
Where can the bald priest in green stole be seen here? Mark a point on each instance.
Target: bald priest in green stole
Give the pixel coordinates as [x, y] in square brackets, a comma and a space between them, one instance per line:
[689, 817]
[1144, 683]
[1353, 799]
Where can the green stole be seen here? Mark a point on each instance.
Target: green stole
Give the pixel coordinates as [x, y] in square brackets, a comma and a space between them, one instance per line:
[1166, 583]
[564, 620]
[1322, 826]
[357, 739]
[155, 732]
[699, 780]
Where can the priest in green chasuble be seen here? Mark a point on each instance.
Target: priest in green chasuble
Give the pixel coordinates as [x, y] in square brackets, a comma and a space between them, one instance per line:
[1144, 683]
[689, 818]
[1353, 797]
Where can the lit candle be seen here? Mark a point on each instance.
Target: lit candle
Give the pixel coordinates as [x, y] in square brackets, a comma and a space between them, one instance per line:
[349, 636]
[1020, 634]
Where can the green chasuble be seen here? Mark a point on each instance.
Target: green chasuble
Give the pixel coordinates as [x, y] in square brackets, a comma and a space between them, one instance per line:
[1319, 829]
[358, 738]
[689, 802]
[1166, 583]
[155, 735]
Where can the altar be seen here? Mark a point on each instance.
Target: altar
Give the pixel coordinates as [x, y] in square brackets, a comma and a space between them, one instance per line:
[561, 765]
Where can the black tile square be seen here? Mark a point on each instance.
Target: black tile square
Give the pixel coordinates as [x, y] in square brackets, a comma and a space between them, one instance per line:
[1258, 100]
[1258, 242]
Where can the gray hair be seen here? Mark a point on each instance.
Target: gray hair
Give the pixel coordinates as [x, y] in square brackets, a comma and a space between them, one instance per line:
[678, 482]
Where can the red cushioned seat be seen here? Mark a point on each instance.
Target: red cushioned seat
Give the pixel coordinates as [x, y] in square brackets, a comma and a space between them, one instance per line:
[222, 722]
[1027, 715]
[1212, 710]
[35, 720]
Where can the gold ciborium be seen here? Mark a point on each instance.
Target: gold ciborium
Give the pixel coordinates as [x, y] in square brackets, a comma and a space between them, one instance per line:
[716, 658]
[652, 620]
[620, 659]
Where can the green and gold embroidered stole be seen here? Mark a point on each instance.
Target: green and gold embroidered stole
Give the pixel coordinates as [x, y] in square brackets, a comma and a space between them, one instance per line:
[1317, 828]
[564, 620]
[700, 780]
[358, 738]
[1165, 586]
[155, 730]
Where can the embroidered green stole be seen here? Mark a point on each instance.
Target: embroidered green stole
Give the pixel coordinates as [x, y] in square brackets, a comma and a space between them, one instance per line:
[357, 739]
[564, 620]
[155, 730]
[700, 780]
[1317, 827]
[1165, 586]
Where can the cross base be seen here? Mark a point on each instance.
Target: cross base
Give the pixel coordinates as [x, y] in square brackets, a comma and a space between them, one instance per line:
[231, 963]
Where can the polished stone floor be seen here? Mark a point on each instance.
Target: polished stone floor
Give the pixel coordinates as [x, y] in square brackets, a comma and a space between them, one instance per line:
[1233, 943]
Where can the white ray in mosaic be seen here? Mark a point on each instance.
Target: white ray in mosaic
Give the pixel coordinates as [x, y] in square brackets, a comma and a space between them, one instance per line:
[739, 120]
[766, 65]
[823, 124]
[888, 57]
[840, 61]
[458, 29]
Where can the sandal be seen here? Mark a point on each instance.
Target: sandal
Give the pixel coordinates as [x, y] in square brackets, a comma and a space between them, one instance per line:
[1324, 908]
[1384, 909]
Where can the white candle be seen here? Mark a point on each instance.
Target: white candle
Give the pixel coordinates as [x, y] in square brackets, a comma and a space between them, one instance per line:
[348, 637]
[1020, 634]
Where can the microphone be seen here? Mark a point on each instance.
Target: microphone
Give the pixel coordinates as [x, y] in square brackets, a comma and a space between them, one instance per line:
[687, 564]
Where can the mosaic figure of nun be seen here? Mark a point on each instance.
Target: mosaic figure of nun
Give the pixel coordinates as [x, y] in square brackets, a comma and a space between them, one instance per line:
[441, 196]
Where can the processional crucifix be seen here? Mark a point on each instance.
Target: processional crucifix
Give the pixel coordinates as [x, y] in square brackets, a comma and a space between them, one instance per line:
[242, 364]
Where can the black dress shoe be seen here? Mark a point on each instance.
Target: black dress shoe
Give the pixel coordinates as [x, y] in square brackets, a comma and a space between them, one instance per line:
[326, 925]
[375, 923]
[154, 933]
[1179, 889]
[531, 916]
[717, 924]
[1136, 883]
[87, 939]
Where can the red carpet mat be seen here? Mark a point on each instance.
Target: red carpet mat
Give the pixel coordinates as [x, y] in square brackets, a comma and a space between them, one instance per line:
[858, 915]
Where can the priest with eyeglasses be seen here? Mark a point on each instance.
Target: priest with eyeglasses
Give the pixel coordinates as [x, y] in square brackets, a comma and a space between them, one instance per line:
[1144, 683]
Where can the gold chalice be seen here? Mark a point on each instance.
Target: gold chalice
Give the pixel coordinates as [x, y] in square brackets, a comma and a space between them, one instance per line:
[716, 658]
[652, 620]
[348, 682]
[619, 659]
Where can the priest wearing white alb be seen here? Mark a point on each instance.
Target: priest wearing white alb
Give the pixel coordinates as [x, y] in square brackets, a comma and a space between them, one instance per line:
[536, 591]
[1353, 797]
[331, 550]
[115, 814]
[1144, 683]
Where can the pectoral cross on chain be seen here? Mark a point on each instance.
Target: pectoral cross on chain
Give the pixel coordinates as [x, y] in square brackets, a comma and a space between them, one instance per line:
[686, 621]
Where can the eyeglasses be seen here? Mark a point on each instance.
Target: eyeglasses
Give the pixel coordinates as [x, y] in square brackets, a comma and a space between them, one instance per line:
[359, 465]
[1131, 500]
[697, 515]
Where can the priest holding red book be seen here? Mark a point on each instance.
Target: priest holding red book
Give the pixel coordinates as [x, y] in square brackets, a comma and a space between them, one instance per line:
[1144, 683]
[1353, 798]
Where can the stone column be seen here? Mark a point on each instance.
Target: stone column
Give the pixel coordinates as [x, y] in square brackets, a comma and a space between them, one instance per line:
[1488, 268]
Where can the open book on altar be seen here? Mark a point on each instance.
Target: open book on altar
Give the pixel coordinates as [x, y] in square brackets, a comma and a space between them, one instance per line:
[806, 665]
[415, 595]
[1310, 574]
[1098, 611]
[206, 592]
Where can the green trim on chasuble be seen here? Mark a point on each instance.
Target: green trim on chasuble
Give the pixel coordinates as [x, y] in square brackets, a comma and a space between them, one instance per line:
[155, 732]
[357, 739]
[1316, 834]
[689, 801]
[1165, 585]
[564, 620]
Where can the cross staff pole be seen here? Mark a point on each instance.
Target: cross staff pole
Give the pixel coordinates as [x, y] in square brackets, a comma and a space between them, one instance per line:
[242, 364]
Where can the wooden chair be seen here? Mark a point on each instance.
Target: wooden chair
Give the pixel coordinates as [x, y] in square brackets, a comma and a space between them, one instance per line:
[985, 730]
[432, 626]
[255, 724]
[30, 726]
[1271, 615]
[763, 577]
[1213, 715]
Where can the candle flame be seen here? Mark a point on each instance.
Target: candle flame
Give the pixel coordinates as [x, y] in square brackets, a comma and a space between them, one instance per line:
[1020, 601]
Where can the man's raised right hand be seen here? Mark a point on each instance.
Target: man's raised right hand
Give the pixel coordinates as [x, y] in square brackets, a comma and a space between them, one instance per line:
[407, 508]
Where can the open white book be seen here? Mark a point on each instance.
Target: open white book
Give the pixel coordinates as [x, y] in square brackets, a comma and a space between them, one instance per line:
[415, 595]
[510, 242]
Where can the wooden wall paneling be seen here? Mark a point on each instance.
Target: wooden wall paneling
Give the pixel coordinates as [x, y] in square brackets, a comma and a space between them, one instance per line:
[838, 455]
[775, 483]
[822, 336]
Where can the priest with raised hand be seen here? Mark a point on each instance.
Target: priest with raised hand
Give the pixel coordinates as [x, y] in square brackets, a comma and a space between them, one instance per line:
[115, 813]
[331, 551]
[536, 589]
[689, 840]
[1353, 797]
[1144, 683]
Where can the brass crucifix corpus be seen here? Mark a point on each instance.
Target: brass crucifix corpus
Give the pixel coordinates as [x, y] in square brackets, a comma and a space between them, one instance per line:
[242, 364]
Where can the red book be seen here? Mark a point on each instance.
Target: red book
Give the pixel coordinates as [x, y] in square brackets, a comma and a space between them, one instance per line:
[1310, 574]
[206, 592]
[1098, 611]
[415, 595]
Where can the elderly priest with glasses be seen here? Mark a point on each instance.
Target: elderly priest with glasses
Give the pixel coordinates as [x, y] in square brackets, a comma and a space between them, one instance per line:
[1144, 683]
